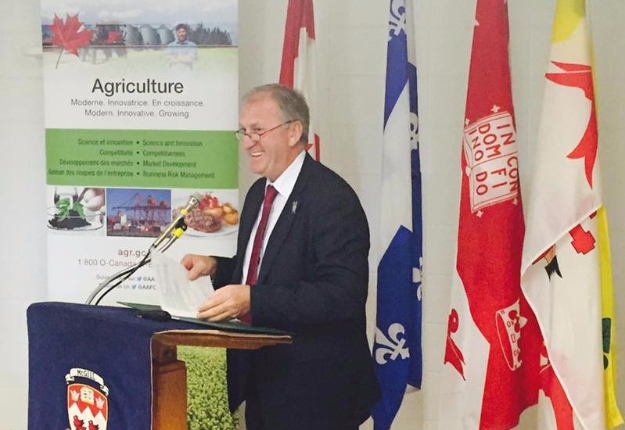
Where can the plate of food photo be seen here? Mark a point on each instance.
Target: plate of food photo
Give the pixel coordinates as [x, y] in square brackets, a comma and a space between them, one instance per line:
[216, 214]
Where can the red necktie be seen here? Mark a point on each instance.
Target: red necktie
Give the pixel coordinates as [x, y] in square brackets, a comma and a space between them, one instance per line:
[252, 271]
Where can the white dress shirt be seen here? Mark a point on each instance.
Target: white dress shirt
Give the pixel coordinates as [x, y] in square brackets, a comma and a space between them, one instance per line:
[284, 186]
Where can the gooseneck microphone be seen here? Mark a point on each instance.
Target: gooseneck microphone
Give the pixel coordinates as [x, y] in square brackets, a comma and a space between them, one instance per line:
[173, 230]
[172, 233]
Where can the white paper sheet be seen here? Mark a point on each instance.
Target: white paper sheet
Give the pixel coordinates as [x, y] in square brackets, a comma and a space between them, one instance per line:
[179, 296]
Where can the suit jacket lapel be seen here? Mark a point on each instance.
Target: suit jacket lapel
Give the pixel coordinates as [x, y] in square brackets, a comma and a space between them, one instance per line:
[294, 205]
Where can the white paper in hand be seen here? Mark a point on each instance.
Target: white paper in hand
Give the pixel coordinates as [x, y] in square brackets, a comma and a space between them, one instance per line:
[179, 296]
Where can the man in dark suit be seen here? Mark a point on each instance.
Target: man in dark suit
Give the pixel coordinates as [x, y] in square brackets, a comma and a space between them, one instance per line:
[307, 274]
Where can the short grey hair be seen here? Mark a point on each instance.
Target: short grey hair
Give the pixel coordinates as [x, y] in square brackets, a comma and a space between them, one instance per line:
[291, 103]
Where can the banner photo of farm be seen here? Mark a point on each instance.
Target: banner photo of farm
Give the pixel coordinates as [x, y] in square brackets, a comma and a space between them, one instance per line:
[141, 101]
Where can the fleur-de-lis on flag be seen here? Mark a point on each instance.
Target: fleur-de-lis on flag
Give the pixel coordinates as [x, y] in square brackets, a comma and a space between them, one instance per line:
[392, 346]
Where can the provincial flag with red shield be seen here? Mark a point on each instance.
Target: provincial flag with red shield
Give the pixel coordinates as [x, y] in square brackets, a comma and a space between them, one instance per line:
[566, 239]
[298, 69]
[493, 343]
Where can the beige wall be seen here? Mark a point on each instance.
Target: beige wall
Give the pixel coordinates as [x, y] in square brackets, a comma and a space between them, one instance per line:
[351, 61]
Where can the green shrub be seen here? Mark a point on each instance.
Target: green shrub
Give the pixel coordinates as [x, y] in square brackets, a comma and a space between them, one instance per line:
[207, 396]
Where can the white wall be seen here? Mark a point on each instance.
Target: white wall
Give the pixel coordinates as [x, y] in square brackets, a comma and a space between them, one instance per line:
[22, 191]
[351, 60]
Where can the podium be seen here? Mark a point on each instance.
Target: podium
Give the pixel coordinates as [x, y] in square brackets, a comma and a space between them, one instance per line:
[99, 367]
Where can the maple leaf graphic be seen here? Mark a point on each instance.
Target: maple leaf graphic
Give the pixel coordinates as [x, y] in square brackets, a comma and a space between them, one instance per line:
[580, 76]
[69, 35]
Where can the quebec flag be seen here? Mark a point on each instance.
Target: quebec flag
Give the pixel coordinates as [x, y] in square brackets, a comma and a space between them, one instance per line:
[397, 347]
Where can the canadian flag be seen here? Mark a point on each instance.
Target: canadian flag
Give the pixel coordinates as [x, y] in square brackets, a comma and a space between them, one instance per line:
[298, 62]
[561, 256]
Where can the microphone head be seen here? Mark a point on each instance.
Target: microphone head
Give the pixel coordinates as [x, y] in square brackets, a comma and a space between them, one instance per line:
[196, 196]
[177, 227]
[194, 200]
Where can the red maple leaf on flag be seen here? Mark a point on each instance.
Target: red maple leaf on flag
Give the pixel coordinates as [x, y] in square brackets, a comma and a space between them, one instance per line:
[580, 76]
[69, 35]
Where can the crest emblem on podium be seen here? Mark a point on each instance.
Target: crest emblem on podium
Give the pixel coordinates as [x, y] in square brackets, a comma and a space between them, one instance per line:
[87, 400]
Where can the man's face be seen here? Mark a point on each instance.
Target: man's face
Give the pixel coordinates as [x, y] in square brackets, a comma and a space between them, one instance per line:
[270, 156]
[181, 34]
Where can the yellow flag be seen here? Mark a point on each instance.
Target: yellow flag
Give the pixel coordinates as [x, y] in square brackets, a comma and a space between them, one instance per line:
[565, 271]
[613, 416]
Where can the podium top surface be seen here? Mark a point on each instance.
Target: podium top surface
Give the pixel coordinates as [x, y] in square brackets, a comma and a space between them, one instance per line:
[224, 326]
[173, 332]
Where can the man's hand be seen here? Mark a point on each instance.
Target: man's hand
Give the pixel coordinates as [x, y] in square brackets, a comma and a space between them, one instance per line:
[199, 265]
[228, 302]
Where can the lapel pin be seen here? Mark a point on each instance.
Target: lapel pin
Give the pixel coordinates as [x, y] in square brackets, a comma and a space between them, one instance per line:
[294, 208]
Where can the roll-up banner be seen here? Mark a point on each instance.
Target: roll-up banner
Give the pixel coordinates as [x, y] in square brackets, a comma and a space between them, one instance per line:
[141, 101]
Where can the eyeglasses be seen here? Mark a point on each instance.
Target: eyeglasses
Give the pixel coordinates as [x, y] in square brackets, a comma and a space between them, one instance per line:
[255, 137]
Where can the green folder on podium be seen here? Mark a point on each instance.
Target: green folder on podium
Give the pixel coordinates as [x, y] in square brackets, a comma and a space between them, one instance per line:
[155, 311]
